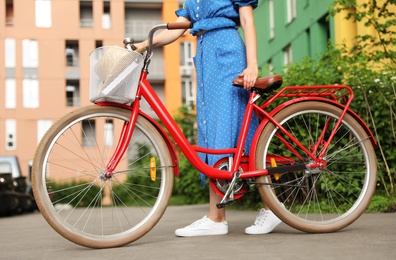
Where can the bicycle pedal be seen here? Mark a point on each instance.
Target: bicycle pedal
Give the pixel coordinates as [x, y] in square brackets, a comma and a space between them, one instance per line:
[225, 204]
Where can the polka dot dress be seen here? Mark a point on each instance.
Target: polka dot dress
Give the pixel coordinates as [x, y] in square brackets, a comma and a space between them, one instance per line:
[220, 57]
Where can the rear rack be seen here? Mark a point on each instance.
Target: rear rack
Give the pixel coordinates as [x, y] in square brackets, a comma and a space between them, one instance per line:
[339, 93]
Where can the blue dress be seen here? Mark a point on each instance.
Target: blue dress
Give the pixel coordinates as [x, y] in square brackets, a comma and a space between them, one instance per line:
[220, 57]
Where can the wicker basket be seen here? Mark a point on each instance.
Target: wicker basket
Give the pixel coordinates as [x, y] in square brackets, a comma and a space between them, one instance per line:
[114, 74]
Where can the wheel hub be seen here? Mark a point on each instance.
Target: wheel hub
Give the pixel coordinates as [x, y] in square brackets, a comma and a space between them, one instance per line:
[105, 175]
[316, 167]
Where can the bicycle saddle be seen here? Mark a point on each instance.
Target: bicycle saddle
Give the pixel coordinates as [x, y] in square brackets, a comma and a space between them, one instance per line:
[265, 84]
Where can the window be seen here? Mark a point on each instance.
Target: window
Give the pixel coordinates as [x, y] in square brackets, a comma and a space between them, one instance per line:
[5, 167]
[88, 133]
[42, 127]
[287, 55]
[186, 71]
[188, 95]
[271, 19]
[10, 131]
[186, 54]
[10, 93]
[72, 93]
[139, 21]
[30, 53]
[86, 14]
[10, 53]
[9, 12]
[30, 93]
[43, 13]
[106, 18]
[270, 67]
[71, 53]
[109, 133]
[291, 10]
[186, 59]
[98, 43]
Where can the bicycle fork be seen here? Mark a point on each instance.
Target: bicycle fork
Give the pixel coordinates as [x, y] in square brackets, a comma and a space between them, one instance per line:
[125, 137]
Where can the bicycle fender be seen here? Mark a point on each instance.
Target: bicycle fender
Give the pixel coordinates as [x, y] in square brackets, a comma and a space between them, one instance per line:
[171, 148]
[298, 100]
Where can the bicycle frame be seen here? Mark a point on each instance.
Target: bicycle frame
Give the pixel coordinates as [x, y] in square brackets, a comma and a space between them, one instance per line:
[190, 151]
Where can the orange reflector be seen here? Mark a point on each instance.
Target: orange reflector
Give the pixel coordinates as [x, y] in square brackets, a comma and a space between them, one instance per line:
[273, 165]
[153, 169]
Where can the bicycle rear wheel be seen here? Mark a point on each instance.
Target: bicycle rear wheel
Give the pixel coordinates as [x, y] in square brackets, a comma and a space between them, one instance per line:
[317, 200]
[74, 196]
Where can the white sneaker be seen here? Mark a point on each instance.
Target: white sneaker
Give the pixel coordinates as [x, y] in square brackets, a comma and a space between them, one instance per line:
[203, 227]
[265, 222]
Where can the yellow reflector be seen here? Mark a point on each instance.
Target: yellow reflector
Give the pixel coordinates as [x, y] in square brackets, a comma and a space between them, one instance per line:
[273, 165]
[153, 169]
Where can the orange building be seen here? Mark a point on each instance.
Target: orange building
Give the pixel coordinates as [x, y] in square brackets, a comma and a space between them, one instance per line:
[44, 69]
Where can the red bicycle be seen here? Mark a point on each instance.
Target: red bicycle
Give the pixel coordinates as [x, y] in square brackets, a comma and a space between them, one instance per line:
[103, 175]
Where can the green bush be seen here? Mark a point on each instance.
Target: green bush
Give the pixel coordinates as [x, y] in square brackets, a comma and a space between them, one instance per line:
[381, 203]
[83, 193]
[187, 188]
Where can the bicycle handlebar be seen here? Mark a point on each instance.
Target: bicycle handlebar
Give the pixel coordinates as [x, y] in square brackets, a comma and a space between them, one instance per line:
[179, 25]
[128, 42]
[168, 26]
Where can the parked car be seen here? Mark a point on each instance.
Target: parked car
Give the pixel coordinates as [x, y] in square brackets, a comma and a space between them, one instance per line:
[15, 191]
[9, 200]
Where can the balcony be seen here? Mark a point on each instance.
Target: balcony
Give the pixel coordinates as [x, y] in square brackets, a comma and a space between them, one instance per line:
[139, 29]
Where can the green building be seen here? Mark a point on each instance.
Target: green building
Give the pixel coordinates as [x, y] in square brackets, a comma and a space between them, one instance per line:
[289, 30]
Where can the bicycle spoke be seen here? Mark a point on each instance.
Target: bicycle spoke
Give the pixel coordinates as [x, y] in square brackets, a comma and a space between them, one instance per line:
[75, 191]
[321, 196]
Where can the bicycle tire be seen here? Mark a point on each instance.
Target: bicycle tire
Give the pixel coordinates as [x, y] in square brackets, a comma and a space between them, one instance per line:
[317, 200]
[75, 198]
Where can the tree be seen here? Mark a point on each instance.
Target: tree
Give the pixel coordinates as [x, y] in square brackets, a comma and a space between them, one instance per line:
[372, 71]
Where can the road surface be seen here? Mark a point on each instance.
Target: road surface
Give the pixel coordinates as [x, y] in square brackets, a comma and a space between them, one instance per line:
[372, 236]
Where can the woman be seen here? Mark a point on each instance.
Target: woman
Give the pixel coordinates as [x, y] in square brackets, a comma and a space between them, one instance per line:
[221, 56]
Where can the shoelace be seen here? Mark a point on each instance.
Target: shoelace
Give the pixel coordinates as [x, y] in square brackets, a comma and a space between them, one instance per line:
[261, 217]
[199, 222]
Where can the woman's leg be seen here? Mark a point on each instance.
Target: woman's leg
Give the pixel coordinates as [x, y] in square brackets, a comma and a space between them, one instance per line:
[215, 214]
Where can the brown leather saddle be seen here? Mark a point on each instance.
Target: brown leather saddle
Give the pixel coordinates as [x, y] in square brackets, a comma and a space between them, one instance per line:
[262, 85]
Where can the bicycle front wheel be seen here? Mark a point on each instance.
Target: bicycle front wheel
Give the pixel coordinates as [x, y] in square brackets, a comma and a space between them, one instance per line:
[321, 199]
[75, 197]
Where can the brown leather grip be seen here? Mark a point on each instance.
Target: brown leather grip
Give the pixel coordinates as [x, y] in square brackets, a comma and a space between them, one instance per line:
[179, 25]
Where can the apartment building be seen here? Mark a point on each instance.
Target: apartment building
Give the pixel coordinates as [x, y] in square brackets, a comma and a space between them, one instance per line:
[289, 30]
[44, 69]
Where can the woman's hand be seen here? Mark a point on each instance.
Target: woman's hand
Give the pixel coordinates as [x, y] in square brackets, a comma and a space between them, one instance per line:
[140, 45]
[249, 76]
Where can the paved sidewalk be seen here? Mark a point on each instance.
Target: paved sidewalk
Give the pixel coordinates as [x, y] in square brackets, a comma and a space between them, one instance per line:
[373, 236]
